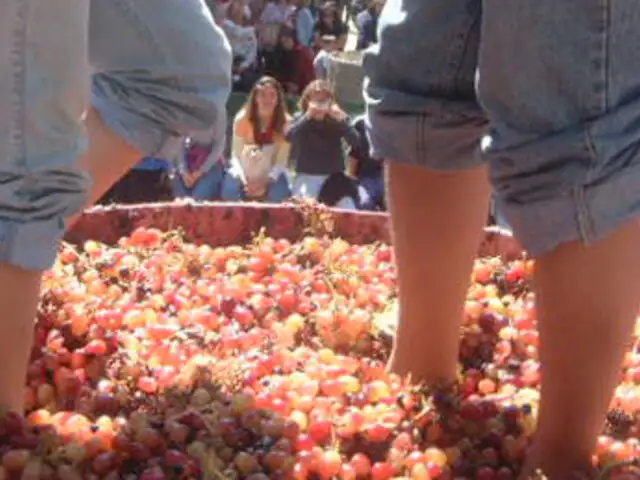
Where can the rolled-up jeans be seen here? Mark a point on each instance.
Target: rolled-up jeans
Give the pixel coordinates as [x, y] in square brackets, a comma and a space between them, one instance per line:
[155, 70]
[546, 92]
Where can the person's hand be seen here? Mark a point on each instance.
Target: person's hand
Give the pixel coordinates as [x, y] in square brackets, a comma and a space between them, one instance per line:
[190, 178]
[316, 113]
[337, 113]
[255, 189]
[250, 151]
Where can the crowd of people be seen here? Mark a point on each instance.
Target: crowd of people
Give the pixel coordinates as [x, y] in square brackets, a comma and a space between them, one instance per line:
[289, 39]
[280, 51]
[318, 152]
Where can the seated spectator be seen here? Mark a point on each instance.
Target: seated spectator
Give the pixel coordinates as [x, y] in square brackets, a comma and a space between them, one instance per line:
[273, 17]
[340, 191]
[367, 23]
[330, 24]
[367, 170]
[320, 62]
[147, 182]
[259, 151]
[291, 64]
[197, 174]
[244, 45]
[317, 134]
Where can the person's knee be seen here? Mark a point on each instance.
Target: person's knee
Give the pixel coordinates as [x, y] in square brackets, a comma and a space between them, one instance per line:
[151, 96]
[279, 190]
[232, 187]
[33, 209]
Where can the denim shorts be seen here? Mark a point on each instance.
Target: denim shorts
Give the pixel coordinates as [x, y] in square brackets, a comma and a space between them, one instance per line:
[547, 92]
[155, 70]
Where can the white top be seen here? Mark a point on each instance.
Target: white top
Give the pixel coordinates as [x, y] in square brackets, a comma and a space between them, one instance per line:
[258, 163]
[243, 41]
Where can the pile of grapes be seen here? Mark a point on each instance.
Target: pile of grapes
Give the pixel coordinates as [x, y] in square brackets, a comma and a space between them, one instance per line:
[159, 359]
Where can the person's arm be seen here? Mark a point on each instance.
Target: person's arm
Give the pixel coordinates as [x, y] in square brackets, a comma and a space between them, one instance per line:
[344, 126]
[304, 27]
[237, 145]
[351, 168]
[296, 126]
[250, 50]
[280, 160]
[238, 137]
[357, 151]
[231, 31]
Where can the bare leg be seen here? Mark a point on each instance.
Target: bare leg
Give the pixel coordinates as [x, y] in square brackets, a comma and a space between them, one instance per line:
[587, 305]
[107, 159]
[437, 220]
[19, 290]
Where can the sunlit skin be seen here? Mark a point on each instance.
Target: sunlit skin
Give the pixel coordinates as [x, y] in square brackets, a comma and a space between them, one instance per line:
[267, 100]
[293, 340]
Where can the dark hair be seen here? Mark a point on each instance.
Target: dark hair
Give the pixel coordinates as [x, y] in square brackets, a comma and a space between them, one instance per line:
[331, 7]
[336, 187]
[288, 31]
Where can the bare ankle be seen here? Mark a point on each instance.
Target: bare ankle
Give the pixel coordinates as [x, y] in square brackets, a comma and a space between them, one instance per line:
[554, 464]
[419, 369]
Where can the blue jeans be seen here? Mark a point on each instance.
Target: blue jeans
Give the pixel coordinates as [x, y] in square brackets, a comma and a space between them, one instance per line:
[155, 70]
[374, 189]
[206, 188]
[320, 65]
[546, 92]
[233, 188]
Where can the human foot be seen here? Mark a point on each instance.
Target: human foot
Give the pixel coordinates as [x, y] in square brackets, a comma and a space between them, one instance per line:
[406, 358]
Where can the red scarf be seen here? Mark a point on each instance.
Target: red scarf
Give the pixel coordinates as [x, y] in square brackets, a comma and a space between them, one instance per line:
[266, 137]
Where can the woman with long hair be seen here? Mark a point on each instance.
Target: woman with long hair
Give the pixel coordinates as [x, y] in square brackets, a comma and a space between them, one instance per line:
[317, 135]
[259, 151]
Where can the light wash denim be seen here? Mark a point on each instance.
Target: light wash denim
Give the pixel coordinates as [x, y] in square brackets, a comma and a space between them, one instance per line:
[233, 184]
[306, 185]
[233, 188]
[373, 187]
[161, 71]
[556, 114]
[206, 188]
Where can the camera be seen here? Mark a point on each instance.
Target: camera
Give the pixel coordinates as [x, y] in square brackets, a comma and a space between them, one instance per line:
[320, 105]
